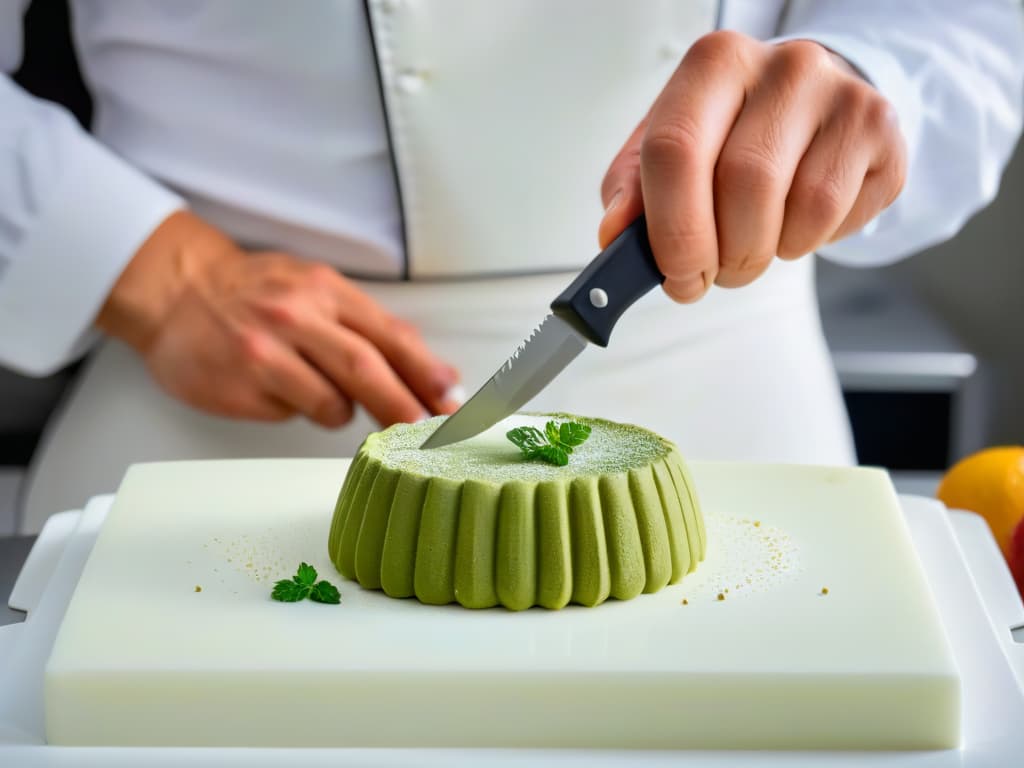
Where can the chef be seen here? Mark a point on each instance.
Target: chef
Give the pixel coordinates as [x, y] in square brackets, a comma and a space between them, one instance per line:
[293, 223]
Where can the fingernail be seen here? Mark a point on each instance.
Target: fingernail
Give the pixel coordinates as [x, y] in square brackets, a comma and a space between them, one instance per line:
[455, 394]
[616, 199]
[423, 417]
[687, 290]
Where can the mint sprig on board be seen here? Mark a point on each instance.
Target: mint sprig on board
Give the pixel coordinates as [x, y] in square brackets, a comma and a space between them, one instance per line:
[304, 584]
[554, 445]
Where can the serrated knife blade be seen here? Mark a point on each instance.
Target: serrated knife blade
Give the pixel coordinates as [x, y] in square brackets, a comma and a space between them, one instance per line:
[583, 313]
[538, 360]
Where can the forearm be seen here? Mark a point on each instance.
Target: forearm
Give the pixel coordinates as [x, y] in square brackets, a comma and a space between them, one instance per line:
[72, 215]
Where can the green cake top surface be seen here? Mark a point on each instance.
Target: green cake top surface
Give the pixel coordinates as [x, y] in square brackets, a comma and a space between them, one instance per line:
[490, 456]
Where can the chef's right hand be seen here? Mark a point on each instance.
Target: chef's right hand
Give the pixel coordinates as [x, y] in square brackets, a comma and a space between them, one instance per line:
[265, 336]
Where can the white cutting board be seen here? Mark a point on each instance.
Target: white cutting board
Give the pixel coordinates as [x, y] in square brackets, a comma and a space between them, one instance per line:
[142, 658]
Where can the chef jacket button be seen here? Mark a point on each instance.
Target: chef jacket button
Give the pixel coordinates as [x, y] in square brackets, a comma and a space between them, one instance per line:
[410, 80]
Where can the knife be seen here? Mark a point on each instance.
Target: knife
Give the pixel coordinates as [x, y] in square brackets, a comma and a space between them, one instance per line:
[584, 313]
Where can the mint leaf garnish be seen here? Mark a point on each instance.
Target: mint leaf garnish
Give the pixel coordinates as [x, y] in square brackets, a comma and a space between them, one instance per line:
[573, 434]
[554, 454]
[306, 575]
[325, 592]
[287, 591]
[527, 438]
[553, 445]
[304, 584]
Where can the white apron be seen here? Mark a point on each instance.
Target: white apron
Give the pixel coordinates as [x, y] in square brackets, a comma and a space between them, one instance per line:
[491, 187]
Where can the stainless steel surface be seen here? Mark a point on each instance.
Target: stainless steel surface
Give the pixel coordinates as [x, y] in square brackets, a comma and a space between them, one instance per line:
[13, 551]
[883, 337]
[539, 359]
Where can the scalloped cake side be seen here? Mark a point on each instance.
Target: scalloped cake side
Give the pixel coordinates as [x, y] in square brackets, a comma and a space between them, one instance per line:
[474, 524]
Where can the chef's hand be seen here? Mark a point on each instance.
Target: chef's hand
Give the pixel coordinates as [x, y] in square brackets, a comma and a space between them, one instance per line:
[265, 336]
[753, 150]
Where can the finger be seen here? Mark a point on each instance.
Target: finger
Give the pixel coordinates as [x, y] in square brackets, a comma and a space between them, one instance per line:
[882, 183]
[760, 158]
[875, 196]
[269, 409]
[248, 405]
[293, 382]
[356, 367]
[853, 170]
[235, 403]
[620, 191]
[688, 127]
[823, 192]
[432, 380]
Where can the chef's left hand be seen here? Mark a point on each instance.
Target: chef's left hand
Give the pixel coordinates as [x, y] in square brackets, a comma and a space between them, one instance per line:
[753, 150]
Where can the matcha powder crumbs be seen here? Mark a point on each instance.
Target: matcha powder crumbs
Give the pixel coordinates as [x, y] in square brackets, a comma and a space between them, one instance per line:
[608, 448]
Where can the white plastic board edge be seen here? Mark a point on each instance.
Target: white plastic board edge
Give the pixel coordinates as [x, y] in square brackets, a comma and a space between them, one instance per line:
[42, 560]
[994, 582]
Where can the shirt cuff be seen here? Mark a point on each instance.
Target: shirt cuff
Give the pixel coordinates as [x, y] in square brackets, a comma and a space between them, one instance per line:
[883, 71]
[72, 255]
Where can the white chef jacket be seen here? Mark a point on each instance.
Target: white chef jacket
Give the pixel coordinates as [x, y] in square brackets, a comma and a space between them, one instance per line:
[500, 119]
[269, 122]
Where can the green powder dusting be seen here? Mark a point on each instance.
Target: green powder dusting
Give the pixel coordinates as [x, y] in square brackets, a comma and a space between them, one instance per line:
[490, 456]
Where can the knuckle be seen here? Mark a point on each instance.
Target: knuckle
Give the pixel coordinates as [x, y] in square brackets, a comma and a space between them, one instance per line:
[682, 245]
[751, 170]
[405, 332]
[819, 205]
[822, 200]
[322, 277]
[879, 115]
[671, 144]
[254, 347]
[279, 312]
[362, 360]
[716, 45]
[739, 265]
[802, 58]
[852, 98]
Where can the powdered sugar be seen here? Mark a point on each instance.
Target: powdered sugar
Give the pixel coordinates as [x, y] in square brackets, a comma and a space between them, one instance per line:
[491, 456]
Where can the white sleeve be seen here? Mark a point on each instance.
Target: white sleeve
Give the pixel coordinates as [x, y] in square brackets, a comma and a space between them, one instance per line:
[72, 214]
[954, 72]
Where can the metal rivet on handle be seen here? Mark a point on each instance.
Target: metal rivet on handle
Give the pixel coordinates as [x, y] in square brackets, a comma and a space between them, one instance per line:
[598, 298]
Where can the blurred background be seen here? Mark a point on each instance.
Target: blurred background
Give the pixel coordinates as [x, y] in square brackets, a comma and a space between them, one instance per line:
[929, 350]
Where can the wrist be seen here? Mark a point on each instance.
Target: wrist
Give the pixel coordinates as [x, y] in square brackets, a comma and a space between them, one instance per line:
[175, 256]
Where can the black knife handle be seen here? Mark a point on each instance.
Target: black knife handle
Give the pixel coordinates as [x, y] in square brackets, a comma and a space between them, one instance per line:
[610, 284]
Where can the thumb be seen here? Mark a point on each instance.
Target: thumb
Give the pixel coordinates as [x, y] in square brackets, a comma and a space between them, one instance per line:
[620, 191]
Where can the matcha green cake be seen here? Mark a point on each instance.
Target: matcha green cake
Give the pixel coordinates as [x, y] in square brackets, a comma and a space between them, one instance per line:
[475, 523]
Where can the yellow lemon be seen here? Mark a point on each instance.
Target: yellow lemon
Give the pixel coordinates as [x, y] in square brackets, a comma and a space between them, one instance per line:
[991, 483]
